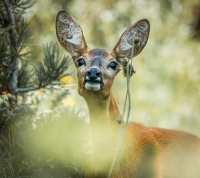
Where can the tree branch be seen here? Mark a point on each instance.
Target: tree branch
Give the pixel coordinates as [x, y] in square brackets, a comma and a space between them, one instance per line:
[27, 89]
[6, 29]
[13, 67]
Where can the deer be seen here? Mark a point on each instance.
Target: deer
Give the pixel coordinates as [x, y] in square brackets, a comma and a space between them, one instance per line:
[149, 152]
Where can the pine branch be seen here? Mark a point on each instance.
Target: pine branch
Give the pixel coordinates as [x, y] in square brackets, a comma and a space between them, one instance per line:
[13, 30]
[13, 68]
[5, 29]
[48, 71]
[13, 33]
[52, 67]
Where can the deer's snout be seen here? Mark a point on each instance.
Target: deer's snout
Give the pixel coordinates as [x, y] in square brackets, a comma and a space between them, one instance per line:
[93, 79]
[93, 74]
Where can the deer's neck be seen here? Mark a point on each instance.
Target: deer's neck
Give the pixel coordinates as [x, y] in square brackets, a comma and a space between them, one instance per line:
[102, 109]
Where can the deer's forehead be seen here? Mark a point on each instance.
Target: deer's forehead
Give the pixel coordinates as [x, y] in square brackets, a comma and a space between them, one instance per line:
[98, 55]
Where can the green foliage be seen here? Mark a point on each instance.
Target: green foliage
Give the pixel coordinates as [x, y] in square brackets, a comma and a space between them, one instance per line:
[26, 75]
[52, 66]
[14, 34]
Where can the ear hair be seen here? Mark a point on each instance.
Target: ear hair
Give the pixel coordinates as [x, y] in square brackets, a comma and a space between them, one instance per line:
[133, 40]
[70, 34]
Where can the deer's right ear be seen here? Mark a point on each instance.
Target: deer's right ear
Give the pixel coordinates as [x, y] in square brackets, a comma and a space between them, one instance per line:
[70, 34]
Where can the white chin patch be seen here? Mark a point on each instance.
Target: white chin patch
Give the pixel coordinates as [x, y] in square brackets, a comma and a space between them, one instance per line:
[92, 86]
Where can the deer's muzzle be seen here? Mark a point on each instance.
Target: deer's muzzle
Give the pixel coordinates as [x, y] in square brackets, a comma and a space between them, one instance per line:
[93, 79]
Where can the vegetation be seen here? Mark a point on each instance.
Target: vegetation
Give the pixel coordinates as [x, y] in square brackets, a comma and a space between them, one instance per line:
[165, 88]
[52, 67]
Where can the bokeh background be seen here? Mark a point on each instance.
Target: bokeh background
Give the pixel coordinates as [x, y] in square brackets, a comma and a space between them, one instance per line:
[39, 139]
[166, 87]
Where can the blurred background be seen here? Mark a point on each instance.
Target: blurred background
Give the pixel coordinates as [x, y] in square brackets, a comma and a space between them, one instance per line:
[165, 90]
[166, 87]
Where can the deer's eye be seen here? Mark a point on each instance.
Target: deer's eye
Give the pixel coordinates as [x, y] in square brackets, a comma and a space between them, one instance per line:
[113, 65]
[81, 62]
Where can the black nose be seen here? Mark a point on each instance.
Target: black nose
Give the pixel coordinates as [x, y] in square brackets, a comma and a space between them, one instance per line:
[93, 73]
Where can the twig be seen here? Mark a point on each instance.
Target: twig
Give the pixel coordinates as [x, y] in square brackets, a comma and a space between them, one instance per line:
[27, 89]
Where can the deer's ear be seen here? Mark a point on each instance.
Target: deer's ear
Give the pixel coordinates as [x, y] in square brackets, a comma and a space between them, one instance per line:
[70, 34]
[133, 40]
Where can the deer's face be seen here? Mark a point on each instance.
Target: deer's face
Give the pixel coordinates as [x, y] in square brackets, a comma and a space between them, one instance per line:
[97, 68]
[96, 71]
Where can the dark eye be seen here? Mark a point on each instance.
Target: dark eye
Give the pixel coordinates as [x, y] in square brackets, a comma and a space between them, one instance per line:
[81, 62]
[113, 65]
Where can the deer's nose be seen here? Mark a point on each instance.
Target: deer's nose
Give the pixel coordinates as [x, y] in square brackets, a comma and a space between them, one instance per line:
[93, 73]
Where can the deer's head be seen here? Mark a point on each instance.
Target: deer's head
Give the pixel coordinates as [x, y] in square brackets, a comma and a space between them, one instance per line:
[96, 68]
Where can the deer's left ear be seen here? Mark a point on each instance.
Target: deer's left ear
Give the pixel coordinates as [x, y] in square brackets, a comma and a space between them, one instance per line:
[133, 40]
[70, 34]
